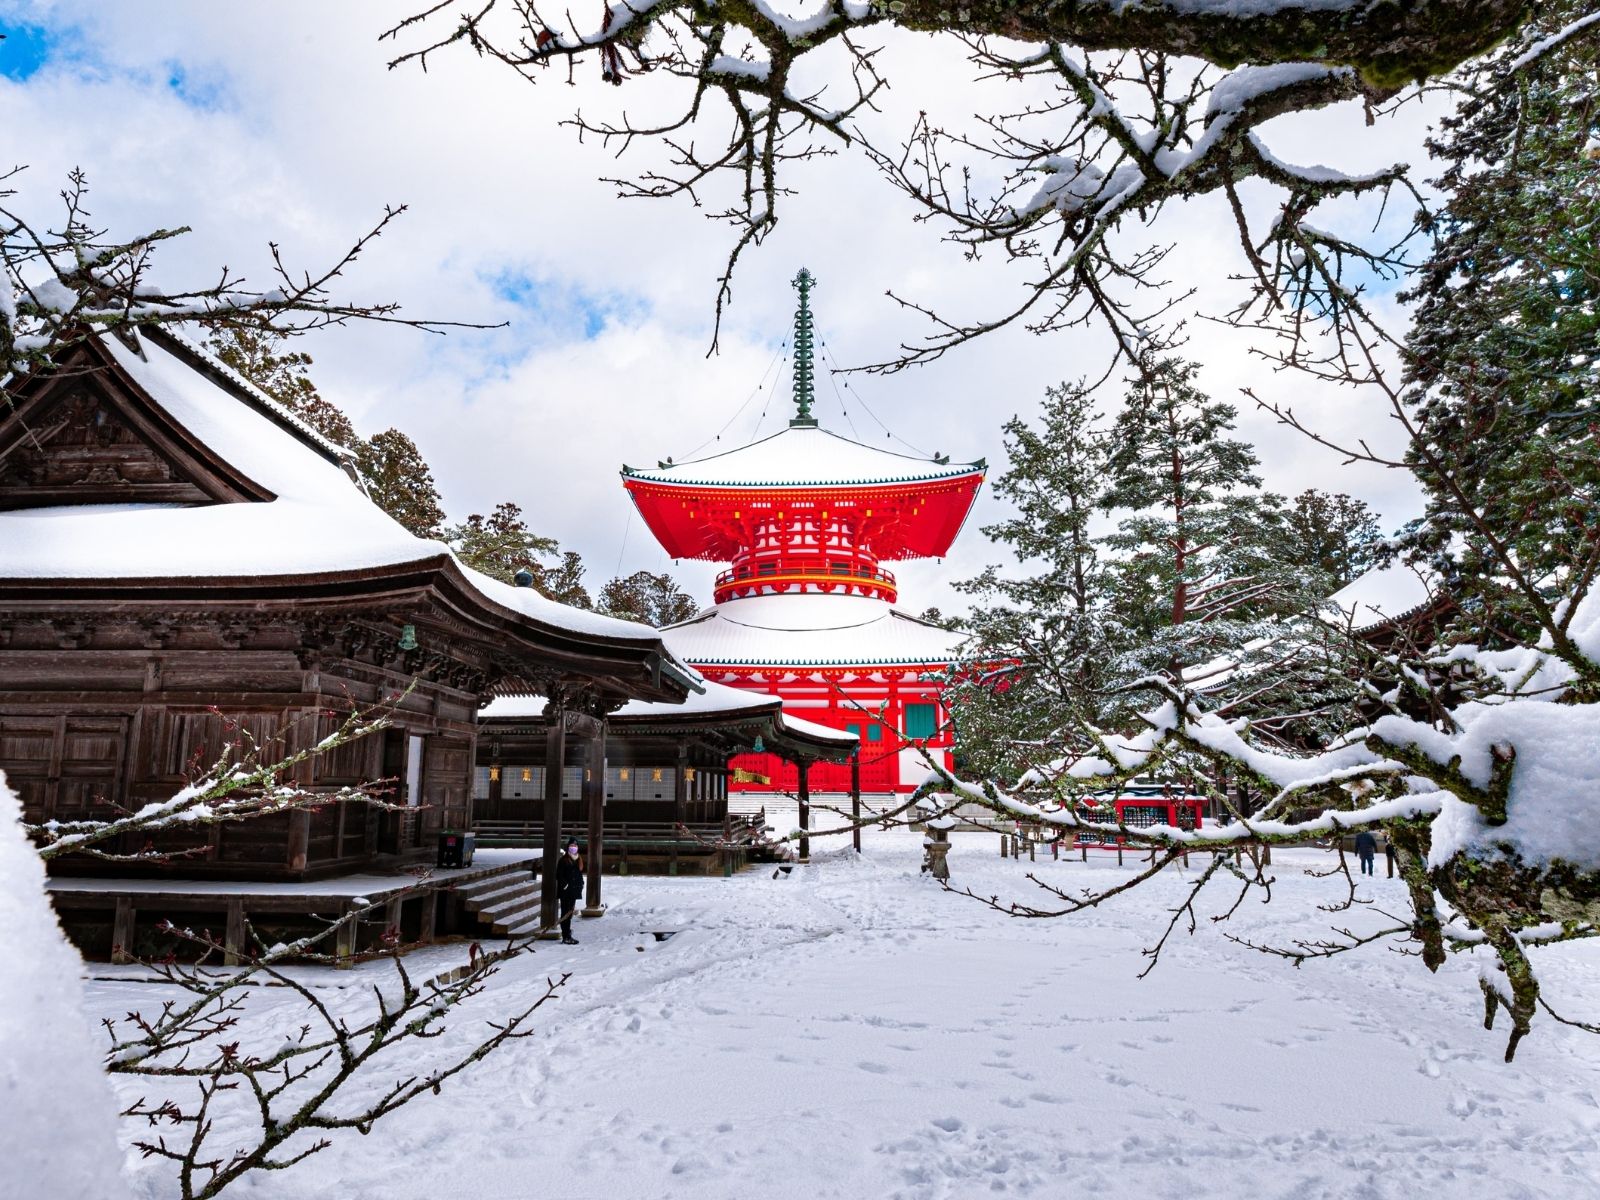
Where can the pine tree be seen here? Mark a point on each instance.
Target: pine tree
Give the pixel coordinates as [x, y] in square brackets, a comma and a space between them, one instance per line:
[501, 544]
[1335, 533]
[253, 353]
[1201, 556]
[645, 596]
[1035, 664]
[1502, 356]
[398, 480]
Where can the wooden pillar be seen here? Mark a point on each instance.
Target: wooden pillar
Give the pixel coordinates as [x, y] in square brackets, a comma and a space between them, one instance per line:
[855, 799]
[594, 799]
[299, 840]
[803, 769]
[122, 923]
[555, 747]
[680, 785]
[233, 935]
[426, 926]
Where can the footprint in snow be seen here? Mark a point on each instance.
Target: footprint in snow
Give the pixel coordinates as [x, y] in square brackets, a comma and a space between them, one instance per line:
[948, 1124]
[873, 1068]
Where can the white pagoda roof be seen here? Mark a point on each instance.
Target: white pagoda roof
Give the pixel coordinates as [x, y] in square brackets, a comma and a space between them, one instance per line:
[320, 520]
[809, 630]
[804, 455]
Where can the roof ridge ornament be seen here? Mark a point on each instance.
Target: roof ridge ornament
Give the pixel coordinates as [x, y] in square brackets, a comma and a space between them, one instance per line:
[804, 392]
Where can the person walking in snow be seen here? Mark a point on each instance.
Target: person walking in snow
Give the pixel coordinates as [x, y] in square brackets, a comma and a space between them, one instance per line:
[569, 889]
[1366, 848]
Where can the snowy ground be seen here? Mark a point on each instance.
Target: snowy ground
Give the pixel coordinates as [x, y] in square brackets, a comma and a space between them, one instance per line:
[850, 1031]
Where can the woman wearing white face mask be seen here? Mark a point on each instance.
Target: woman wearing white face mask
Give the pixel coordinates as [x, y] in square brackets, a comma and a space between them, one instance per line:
[569, 889]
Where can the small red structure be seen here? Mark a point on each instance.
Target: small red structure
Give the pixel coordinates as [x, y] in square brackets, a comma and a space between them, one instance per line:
[1139, 807]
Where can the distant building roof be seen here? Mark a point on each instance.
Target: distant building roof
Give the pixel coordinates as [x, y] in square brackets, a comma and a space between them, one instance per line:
[1383, 596]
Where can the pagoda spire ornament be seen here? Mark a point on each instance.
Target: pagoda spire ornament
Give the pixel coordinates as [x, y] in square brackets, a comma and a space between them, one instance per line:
[804, 392]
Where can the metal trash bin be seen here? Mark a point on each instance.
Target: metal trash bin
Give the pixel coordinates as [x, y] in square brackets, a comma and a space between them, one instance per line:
[456, 848]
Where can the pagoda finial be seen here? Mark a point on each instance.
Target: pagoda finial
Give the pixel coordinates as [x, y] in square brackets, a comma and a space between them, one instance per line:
[804, 394]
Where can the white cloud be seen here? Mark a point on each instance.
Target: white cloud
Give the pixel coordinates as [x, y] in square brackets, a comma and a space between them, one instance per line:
[301, 135]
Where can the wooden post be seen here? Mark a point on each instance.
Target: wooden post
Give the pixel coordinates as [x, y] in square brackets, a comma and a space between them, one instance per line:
[555, 747]
[299, 840]
[122, 924]
[802, 767]
[855, 799]
[344, 942]
[680, 787]
[594, 798]
[428, 922]
[233, 936]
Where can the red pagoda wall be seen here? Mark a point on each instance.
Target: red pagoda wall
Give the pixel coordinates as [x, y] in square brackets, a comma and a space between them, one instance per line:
[872, 700]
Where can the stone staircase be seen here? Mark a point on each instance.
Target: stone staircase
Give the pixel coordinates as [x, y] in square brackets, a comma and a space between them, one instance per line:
[506, 905]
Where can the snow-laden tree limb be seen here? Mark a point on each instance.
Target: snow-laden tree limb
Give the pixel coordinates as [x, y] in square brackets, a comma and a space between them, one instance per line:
[1123, 107]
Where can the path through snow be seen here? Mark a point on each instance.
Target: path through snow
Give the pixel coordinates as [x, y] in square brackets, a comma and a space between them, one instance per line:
[850, 1031]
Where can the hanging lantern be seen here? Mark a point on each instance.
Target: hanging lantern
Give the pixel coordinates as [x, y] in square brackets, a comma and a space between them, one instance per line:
[494, 773]
[622, 774]
[760, 747]
[527, 775]
[688, 774]
[408, 637]
[655, 776]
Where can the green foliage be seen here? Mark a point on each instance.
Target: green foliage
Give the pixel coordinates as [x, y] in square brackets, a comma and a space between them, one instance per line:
[1203, 578]
[645, 596]
[501, 544]
[398, 480]
[1335, 533]
[1501, 360]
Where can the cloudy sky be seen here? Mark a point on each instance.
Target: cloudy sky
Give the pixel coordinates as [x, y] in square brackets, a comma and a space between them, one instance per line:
[258, 123]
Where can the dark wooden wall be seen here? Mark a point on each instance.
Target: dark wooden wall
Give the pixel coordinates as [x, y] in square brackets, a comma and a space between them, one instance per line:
[95, 719]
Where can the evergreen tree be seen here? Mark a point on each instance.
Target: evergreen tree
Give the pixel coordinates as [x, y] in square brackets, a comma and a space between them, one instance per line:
[1202, 565]
[501, 544]
[645, 596]
[1501, 360]
[253, 353]
[399, 482]
[1041, 641]
[1335, 533]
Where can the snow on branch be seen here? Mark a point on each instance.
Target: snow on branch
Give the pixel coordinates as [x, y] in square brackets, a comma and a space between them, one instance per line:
[248, 779]
[1142, 116]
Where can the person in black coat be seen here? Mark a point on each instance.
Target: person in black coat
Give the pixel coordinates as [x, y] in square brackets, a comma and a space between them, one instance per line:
[1366, 848]
[569, 889]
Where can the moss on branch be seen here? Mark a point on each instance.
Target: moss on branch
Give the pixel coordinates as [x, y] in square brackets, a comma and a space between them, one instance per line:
[1390, 42]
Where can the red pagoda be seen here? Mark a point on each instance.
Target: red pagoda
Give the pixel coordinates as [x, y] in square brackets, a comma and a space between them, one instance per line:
[805, 611]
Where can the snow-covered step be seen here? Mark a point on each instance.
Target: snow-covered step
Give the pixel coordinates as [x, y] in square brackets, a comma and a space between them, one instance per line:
[485, 891]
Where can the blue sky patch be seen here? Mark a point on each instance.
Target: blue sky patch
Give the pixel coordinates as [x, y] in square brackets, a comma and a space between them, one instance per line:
[561, 309]
[24, 50]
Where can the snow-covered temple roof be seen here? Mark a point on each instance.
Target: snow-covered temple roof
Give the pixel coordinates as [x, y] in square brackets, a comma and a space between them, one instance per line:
[809, 630]
[804, 456]
[1382, 596]
[304, 515]
[716, 701]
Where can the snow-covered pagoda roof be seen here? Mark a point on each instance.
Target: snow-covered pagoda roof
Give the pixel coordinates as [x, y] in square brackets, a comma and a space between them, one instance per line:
[202, 482]
[810, 630]
[805, 456]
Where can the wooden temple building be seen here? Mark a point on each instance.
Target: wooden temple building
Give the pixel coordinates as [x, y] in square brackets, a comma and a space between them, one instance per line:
[185, 567]
[665, 770]
[806, 611]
